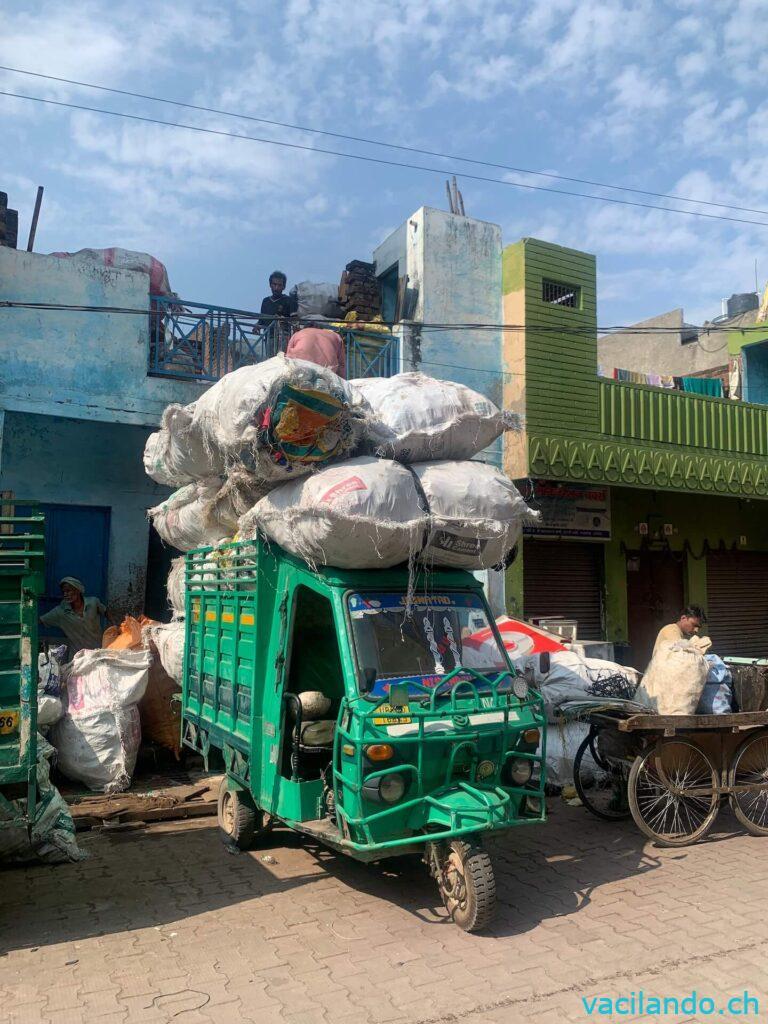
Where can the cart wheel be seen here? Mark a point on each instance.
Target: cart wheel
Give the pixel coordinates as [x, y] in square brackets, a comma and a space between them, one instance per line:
[749, 768]
[604, 791]
[467, 885]
[240, 820]
[669, 818]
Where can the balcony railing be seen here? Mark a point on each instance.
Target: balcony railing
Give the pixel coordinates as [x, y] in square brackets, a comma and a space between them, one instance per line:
[192, 341]
[659, 416]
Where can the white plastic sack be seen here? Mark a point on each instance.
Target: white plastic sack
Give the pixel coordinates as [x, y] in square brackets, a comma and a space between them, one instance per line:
[51, 838]
[675, 678]
[98, 738]
[476, 514]
[190, 517]
[176, 455]
[364, 514]
[571, 676]
[313, 296]
[418, 418]
[169, 641]
[256, 418]
[49, 710]
[563, 742]
[177, 587]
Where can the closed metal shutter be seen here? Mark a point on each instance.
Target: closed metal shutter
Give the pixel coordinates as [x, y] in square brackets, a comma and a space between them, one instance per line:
[737, 603]
[564, 579]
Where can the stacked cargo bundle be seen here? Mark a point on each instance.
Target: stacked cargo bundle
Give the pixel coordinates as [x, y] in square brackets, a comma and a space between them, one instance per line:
[359, 290]
[362, 474]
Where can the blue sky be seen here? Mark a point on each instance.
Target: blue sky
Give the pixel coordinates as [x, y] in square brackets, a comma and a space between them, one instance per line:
[665, 96]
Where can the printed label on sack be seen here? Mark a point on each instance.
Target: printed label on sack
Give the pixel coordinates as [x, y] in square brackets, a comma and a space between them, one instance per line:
[459, 545]
[352, 483]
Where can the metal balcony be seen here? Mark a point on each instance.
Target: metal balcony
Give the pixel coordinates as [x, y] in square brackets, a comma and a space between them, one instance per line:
[197, 342]
[660, 417]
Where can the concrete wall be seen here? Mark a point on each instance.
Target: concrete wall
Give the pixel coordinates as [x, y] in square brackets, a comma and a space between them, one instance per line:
[63, 461]
[78, 364]
[663, 352]
[453, 266]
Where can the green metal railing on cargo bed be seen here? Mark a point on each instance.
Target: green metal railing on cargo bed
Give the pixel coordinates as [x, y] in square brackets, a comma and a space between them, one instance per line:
[22, 579]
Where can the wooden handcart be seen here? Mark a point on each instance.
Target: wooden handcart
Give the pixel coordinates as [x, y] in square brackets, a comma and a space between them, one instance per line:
[672, 773]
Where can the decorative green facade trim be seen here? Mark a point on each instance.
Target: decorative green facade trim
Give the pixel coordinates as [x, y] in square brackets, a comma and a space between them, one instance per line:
[562, 458]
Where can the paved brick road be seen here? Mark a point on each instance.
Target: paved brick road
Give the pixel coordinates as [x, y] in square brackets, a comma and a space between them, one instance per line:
[164, 925]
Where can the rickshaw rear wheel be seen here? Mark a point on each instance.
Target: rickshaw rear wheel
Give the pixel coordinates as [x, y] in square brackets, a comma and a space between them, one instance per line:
[603, 795]
[240, 820]
[467, 884]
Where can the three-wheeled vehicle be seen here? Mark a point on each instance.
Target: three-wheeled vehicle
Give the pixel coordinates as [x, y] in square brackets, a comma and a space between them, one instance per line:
[375, 718]
[21, 584]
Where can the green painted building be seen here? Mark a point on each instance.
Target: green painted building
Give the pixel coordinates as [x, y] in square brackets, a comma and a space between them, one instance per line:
[651, 497]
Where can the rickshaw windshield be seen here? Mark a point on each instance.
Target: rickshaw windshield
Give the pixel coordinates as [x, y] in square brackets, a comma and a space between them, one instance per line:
[443, 632]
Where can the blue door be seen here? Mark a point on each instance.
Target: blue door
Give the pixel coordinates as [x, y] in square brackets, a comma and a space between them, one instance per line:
[76, 544]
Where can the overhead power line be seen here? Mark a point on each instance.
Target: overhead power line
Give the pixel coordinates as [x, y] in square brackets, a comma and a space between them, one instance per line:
[377, 160]
[531, 326]
[378, 142]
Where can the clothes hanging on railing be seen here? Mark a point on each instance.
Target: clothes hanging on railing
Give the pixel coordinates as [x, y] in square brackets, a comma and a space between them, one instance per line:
[711, 386]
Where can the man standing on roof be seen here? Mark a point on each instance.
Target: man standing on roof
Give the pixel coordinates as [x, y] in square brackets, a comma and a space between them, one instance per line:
[276, 309]
[78, 616]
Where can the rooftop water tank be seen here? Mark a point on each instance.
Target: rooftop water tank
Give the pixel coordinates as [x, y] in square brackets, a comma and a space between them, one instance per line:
[742, 302]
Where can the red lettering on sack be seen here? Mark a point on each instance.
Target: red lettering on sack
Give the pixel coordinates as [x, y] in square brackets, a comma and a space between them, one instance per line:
[352, 483]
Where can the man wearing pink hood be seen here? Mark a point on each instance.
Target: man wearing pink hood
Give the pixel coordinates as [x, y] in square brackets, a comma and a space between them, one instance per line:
[318, 345]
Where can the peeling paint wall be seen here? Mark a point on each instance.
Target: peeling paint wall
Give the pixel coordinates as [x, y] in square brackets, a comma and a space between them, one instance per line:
[62, 461]
[83, 365]
[453, 266]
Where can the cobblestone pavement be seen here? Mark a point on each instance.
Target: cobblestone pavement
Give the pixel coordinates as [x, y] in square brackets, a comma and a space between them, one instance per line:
[163, 924]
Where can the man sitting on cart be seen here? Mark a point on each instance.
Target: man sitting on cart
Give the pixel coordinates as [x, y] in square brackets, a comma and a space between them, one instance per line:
[690, 622]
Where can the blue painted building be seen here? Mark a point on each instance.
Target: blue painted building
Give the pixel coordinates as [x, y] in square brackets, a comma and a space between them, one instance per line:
[76, 407]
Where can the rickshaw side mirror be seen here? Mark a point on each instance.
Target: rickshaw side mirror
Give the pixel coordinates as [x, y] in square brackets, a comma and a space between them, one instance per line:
[544, 663]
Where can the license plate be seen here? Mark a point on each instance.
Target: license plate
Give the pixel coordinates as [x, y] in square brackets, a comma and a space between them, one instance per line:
[401, 710]
[9, 722]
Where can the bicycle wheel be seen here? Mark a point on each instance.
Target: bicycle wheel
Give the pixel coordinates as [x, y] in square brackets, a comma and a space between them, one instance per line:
[601, 786]
[749, 768]
[673, 793]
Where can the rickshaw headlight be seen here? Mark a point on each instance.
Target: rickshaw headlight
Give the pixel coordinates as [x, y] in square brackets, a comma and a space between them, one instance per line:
[391, 788]
[519, 771]
[520, 687]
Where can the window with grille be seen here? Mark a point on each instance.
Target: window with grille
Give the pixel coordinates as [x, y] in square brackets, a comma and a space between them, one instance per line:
[558, 293]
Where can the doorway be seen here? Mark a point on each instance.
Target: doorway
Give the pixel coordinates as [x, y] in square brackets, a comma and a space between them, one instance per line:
[655, 597]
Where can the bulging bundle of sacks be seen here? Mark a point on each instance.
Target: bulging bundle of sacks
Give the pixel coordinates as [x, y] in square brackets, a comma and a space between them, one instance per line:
[360, 474]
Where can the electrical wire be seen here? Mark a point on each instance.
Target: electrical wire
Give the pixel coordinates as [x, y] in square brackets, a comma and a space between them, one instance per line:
[469, 325]
[378, 160]
[379, 142]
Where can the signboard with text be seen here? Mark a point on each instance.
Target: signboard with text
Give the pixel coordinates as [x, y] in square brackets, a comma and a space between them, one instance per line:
[580, 511]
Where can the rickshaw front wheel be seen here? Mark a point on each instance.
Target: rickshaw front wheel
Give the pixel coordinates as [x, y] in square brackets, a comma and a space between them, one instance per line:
[240, 820]
[467, 884]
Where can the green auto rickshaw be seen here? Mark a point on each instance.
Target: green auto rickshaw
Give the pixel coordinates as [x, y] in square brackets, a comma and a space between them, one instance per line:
[378, 718]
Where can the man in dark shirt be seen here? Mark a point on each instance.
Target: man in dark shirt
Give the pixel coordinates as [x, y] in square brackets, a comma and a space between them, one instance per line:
[278, 303]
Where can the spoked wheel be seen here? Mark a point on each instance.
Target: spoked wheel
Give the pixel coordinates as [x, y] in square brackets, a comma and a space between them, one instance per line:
[240, 820]
[673, 793]
[601, 785]
[466, 883]
[749, 774]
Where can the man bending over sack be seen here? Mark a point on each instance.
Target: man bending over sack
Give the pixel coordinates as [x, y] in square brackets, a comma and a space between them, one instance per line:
[688, 625]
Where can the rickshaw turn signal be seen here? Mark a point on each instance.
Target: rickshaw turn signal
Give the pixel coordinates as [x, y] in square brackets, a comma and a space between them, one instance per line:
[379, 752]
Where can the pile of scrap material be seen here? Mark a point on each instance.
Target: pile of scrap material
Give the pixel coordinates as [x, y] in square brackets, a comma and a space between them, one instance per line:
[359, 291]
[171, 796]
[362, 474]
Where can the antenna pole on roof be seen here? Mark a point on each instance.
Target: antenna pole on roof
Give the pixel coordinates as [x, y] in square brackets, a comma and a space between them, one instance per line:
[35, 215]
